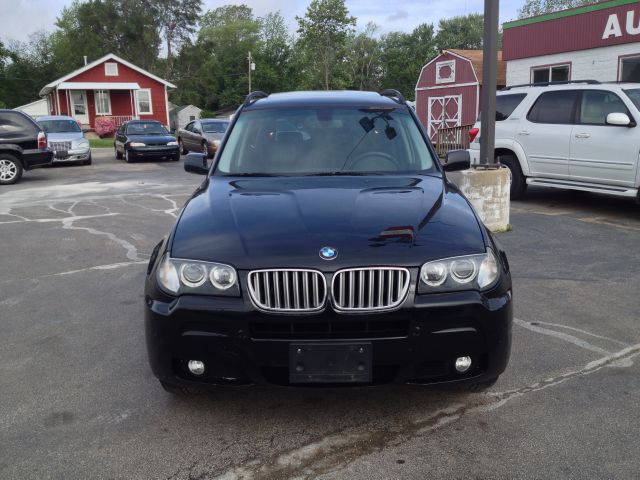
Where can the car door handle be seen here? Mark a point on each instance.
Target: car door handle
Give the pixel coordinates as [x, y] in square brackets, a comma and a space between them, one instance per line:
[524, 132]
[582, 135]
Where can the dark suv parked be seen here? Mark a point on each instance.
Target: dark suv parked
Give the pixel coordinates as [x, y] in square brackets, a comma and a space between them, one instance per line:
[23, 146]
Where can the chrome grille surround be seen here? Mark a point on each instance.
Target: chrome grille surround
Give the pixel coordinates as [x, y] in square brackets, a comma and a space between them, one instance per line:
[60, 146]
[369, 289]
[288, 290]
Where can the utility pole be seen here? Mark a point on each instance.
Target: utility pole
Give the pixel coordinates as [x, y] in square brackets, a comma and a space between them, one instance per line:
[489, 80]
[252, 66]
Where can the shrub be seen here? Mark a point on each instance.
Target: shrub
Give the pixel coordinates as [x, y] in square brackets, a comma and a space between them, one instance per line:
[105, 127]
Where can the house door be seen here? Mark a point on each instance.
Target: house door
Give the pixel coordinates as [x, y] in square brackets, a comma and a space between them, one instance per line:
[443, 112]
[79, 109]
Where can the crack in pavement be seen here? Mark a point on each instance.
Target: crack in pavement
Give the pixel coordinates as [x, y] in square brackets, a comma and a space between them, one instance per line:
[335, 452]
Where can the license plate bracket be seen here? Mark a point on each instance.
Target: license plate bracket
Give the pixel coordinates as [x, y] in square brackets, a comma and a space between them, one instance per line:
[330, 362]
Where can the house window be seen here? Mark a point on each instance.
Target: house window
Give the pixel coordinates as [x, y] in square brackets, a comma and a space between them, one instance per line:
[103, 102]
[111, 69]
[143, 99]
[446, 72]
[551, 73]
[630, 69]
[192, 118]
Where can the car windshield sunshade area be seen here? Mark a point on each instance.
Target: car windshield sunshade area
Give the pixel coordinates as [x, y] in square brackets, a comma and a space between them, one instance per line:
[215, 127]
[150, 128]
[634, 95]
[60, 126]
[325, 141]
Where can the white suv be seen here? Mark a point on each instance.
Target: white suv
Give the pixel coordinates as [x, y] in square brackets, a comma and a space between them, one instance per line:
[578, 135]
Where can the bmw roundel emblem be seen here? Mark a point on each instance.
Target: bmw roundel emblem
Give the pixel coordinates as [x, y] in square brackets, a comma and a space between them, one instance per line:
[328, 253]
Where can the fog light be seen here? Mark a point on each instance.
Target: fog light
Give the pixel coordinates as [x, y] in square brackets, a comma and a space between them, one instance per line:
[462, 364]
[197, 367]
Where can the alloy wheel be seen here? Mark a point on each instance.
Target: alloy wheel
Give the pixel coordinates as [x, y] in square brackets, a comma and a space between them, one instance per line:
[8, 170]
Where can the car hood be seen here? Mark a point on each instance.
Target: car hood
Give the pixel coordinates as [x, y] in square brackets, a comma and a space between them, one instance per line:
[285, 221]
[64, 136]
[152, 139]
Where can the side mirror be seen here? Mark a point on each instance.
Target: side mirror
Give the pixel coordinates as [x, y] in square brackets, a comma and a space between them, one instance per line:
[619, 119]
[196, 163]
[456, 160]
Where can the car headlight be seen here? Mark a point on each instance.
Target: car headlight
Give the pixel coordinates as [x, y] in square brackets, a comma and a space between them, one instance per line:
[84, 143]
[178, 276]
[459, 273]
[172, 144]
[137, 144]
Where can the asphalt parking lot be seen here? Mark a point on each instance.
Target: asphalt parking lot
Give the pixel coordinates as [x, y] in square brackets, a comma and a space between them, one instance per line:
[77, 399]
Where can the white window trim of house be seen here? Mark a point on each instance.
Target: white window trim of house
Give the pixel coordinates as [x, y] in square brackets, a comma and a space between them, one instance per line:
[111, 69]
[621, 60]
[548, 68]
[140, 112]
[97, 104]
[452, 68]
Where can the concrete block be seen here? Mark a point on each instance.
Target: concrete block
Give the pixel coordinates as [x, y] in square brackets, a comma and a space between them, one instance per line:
[488, 192]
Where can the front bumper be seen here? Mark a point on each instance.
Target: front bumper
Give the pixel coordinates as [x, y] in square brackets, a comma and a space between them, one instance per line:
[74, 155]
[242, 346]
[157, 151]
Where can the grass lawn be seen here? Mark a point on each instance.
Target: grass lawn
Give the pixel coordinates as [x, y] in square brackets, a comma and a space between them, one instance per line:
[101, 142]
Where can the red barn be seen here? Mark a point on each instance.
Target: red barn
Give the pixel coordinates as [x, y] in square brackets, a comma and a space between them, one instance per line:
[109, 87]
[449, 89]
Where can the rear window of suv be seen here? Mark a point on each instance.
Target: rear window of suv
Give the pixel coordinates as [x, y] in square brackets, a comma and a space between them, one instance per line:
[12, 122]
[506, 104]
[555, 107]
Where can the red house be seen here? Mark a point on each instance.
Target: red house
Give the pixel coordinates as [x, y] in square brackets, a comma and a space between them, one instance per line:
[109, 87]
[449, 89]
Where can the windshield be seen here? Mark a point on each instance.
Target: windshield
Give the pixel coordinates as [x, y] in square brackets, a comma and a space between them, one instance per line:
[215, 127]
[325, 141]
[634, 95]
[60, 126]
[146, 128]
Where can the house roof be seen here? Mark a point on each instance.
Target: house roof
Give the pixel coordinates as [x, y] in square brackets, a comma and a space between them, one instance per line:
[98, 86]
[51, 86]
[475, 56]
[178, 108]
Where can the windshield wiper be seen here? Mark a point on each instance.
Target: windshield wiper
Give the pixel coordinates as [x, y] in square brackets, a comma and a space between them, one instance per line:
[342, 173]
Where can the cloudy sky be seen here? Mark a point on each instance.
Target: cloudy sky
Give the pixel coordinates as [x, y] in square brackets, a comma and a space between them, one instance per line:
[19, 18]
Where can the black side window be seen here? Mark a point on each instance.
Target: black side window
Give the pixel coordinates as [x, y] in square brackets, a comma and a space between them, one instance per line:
[189, 127]
[555, 107]
[597, 104]
[506, 104]
[13, 122]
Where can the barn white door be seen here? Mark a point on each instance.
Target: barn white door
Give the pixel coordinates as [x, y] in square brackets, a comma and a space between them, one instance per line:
[443, 112]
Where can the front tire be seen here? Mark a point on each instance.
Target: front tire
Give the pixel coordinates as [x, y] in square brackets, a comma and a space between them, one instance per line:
[88, 161]
[181, 145]
[118, 154]
[127, 156]
[176, 157]
[518, 180]
[10, 169]
[205, 149]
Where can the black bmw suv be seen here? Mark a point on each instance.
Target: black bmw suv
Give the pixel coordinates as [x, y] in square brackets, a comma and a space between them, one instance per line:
[326, 247]
[23, 146]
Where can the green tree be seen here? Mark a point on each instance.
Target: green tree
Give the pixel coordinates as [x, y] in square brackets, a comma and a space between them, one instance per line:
[363, 57]
[323, 31]
[463, 32]
[28, 66]
[273, 58]
[404, 55]
[177, 20]
[128, 28]
[227, 34]
[539, 7]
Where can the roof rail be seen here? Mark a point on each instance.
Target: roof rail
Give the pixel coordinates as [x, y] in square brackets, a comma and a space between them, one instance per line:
[394, 95]
[254, 96]
[547, 84]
